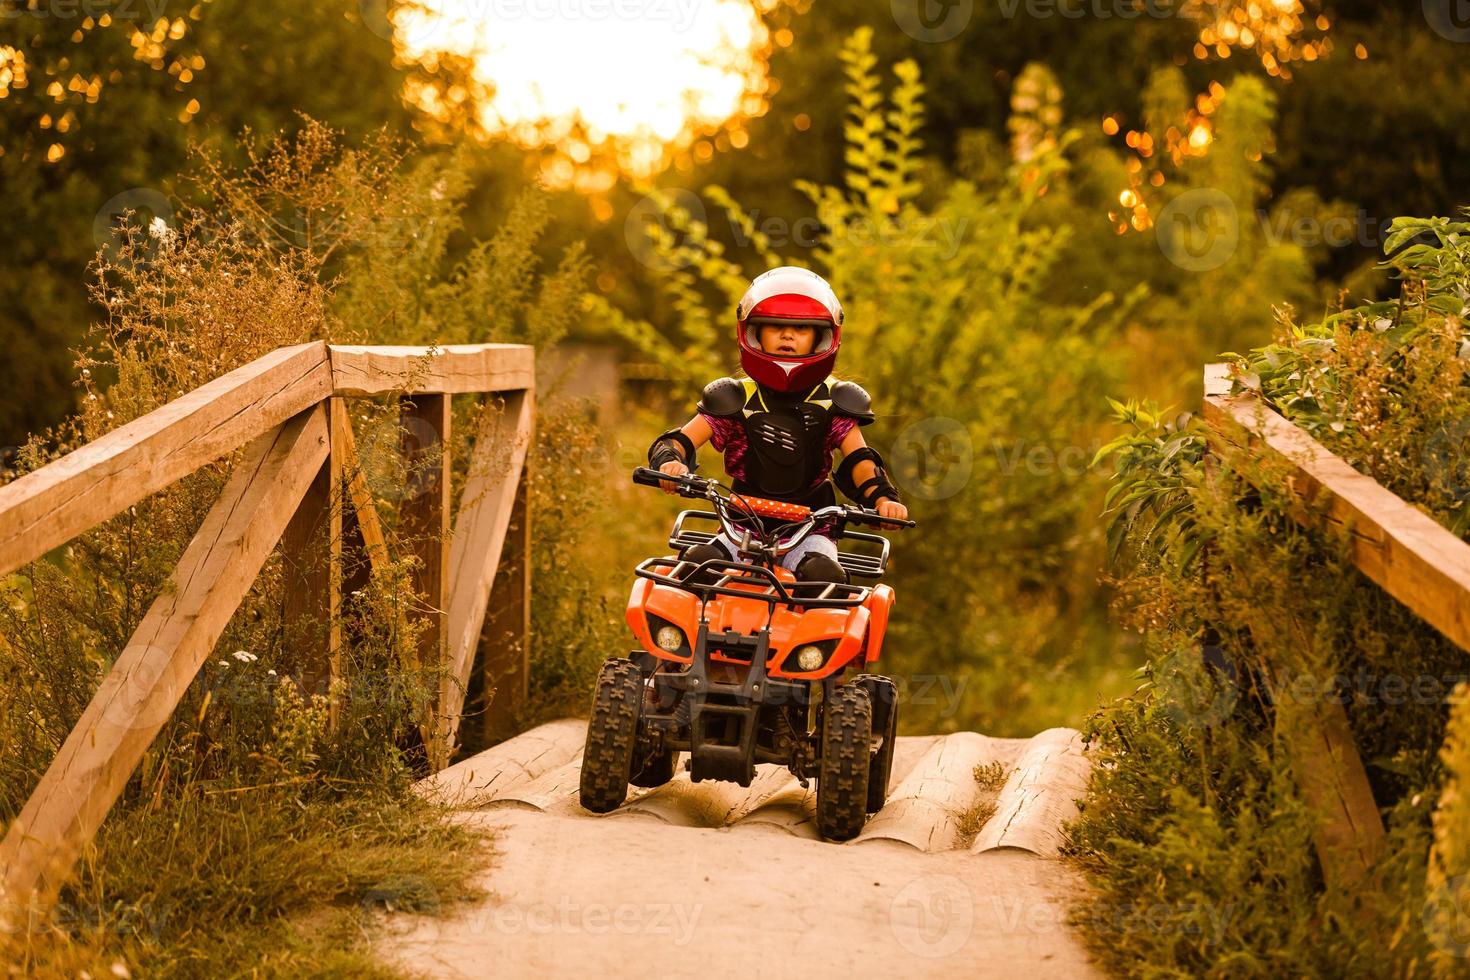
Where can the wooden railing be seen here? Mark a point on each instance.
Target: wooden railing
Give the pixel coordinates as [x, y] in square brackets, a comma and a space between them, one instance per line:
[1407, 553]
[288, 410]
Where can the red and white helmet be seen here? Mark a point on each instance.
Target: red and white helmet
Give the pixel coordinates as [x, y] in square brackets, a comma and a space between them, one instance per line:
[789, 295]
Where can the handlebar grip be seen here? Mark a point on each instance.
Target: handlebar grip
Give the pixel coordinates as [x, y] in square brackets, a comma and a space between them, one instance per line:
[862, 516]
[686, 486]
[646, 476]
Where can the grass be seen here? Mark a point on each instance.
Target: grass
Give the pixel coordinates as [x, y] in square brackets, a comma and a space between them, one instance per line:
[252, 883]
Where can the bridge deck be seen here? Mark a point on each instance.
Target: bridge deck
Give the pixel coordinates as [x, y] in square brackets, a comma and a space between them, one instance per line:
[711, 879]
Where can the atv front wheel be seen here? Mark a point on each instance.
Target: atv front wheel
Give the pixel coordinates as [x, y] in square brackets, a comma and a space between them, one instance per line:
[612, 736]
[884, 698]
[842, 777]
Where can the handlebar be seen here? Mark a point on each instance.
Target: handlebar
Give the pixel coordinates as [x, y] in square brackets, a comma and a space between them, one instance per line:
[693, 486]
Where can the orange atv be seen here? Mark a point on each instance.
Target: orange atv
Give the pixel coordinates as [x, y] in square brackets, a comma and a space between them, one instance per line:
[743, 664]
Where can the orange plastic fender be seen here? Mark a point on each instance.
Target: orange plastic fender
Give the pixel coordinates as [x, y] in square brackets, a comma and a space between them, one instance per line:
[878, 605]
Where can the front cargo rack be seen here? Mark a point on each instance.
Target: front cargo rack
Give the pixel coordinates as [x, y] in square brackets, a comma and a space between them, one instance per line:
[744, 581]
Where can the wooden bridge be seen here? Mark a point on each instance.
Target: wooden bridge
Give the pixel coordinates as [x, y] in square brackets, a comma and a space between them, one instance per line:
[950, 878]
[298, 471]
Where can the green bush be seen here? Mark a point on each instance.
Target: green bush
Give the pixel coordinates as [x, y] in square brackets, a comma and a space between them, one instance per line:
[1252, 618]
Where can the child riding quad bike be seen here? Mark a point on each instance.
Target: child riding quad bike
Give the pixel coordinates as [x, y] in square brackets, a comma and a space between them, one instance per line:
[742, 662]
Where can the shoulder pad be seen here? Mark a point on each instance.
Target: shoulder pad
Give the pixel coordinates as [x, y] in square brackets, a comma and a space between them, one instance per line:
[851, 400]
[723, 398]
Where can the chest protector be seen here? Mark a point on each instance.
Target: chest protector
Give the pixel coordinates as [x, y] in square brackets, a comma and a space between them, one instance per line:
[786, 434]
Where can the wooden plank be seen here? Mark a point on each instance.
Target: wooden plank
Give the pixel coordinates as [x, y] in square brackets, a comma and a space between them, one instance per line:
[349, 468]
[450, 369]
[480, 532]
[1349, 837]
[1410, 555]
[506, 637]
[423, 527]
[309, 603]
[162, 658]
[49, 507]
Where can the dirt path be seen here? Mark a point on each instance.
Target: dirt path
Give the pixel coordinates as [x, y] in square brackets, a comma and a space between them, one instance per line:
[713, 880]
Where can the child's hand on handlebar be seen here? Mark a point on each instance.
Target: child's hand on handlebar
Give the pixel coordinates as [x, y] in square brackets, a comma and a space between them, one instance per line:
[672, 468]
[894, 509]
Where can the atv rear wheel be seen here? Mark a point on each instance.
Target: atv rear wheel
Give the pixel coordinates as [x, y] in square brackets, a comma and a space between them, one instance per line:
[842, 779]
[884, 698]
[612, 736]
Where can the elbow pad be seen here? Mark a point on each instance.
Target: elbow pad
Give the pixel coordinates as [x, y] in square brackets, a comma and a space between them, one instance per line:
[672, 446]
[875, 486]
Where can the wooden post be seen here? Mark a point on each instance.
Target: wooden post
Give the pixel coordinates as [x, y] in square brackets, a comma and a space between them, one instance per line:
[480, 536]
[1315, 732]
[310, 601]
[507, 636]
[424, 528]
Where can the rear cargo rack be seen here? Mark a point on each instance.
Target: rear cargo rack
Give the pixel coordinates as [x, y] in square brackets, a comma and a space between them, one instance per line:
[742, 581]
[856, 563]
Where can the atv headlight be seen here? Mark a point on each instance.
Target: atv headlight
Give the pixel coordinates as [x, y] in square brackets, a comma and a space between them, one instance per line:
[810, 657]
[669, 638]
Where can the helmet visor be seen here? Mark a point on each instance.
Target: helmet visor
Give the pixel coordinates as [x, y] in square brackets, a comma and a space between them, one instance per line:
[823, 328]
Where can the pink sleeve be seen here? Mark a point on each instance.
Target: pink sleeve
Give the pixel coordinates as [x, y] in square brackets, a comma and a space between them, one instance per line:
[841, 426]
[719, 431]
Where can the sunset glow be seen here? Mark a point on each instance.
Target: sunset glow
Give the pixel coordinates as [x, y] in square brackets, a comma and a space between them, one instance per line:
[609, 84]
